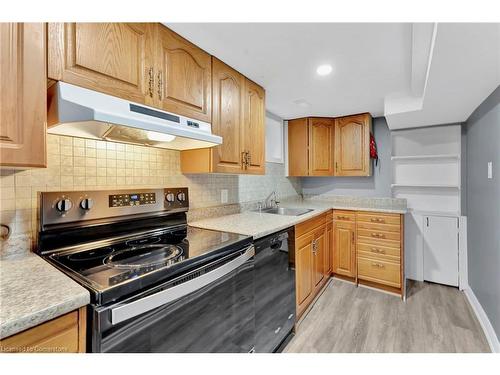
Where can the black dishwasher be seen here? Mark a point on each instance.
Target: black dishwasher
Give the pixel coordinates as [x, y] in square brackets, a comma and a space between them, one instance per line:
[274, 291]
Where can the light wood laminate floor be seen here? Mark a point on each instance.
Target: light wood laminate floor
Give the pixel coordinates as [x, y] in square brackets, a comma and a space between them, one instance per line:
[346, 318]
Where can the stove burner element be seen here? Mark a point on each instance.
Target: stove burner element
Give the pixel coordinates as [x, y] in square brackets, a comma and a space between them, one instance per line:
[147, 256]
[143, 241]
[84, 256]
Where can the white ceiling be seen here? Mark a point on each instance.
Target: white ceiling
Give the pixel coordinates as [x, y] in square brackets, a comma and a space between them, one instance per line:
[392, 69]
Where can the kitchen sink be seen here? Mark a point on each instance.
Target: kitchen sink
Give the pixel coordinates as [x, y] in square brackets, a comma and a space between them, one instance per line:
[285, 211]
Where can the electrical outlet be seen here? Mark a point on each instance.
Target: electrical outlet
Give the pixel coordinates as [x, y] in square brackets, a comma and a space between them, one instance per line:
[490, 169]
[223, 195]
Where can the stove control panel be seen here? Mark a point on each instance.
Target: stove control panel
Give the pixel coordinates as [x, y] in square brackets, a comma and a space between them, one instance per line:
[134, 199]
[79, 206]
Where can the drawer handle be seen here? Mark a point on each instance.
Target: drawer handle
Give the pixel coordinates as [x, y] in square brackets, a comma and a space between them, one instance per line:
[379, 251]
[378, 265]
[377, 220]
[378, 235]
[343, 217]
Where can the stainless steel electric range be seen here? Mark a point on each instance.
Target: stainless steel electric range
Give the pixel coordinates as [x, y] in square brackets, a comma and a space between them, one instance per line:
[156, 284]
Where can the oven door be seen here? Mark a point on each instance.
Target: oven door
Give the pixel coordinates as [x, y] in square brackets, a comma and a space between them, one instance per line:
[210, 309]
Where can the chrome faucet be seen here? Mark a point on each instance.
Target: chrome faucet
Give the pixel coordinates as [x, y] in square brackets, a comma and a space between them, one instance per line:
[268, 202]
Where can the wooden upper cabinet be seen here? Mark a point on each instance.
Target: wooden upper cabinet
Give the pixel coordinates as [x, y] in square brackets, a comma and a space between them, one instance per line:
[298, 154]
[254, 127]
[227, 116]
[321, 146]
[23, 85]
[183, 77]
[352, 145]
[113, 58]
[238, 116]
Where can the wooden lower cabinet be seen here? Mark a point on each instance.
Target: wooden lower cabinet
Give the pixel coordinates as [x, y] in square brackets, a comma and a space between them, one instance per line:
[329, 245]
[344, 256]
[311, 254]
[319, 255]
[341, 243]
[368, 248]
[65, 334]
[304, 269]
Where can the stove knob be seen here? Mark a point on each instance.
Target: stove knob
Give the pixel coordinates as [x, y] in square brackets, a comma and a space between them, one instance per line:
[87, 204]
[170, 197]
[64, 205]
[181, 197]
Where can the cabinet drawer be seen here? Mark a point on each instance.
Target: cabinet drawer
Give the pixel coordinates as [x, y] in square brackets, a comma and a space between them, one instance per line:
[309, 225]
[378, 227]
[379, 218]
[378, 234]
[380, 252]
[379, 242]
[379, 271]
[58, 335]
[344, 215]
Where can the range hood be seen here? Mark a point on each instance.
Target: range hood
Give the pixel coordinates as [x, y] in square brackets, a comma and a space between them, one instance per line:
[84, 113]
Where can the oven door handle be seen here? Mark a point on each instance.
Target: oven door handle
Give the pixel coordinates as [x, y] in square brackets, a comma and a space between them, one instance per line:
[124, 312]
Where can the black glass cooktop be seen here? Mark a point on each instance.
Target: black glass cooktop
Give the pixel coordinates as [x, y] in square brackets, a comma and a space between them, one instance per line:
[107, 267]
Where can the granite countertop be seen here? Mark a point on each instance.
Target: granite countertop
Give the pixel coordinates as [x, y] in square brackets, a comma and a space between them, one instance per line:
[32, 291]
[258, 224]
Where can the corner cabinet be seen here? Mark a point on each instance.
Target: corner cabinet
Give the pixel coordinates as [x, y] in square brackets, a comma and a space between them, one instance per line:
[320, 146]
[238, 116]
[23, 87]
[352, 145]
[344, 233]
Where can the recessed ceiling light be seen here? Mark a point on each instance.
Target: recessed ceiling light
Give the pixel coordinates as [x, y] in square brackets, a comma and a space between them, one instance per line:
[324, 70]
[302, 103]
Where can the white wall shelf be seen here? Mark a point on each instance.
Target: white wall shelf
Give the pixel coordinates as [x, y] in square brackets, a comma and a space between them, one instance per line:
[426, 157]
[426, 186]
[426, 171]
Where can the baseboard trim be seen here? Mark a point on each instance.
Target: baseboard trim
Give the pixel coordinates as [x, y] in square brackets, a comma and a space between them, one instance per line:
[488, 330]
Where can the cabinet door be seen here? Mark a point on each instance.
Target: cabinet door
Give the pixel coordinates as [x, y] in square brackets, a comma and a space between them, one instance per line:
[183, 76]
[254, 127]
[23, 87]
[298, 149]
[329, 248]
[227, 116]
[352, 145]
[319, 256]
[113, 58]
[321, 146]
[441, 250]
[344, 254]
[304, 270]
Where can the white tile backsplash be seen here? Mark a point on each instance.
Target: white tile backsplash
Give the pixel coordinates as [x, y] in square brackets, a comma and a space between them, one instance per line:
[82, 164]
